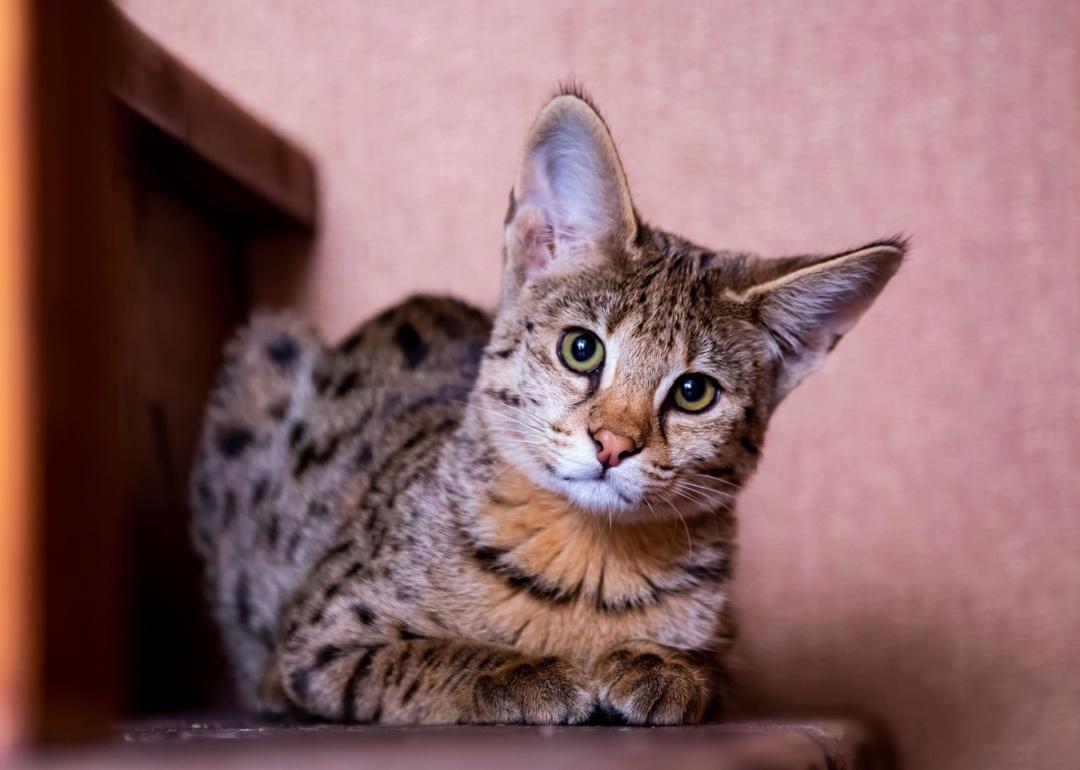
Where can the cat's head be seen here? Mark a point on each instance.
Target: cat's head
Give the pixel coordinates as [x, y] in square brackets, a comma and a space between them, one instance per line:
[630, 370]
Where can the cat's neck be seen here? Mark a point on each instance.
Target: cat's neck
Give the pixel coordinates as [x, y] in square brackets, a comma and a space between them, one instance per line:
[541, 541]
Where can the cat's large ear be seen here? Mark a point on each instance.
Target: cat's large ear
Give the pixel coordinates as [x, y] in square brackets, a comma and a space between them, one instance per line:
[570, 204]
[809, 307]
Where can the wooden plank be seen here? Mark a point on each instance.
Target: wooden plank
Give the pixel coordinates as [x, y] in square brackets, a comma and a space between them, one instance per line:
[160, 89]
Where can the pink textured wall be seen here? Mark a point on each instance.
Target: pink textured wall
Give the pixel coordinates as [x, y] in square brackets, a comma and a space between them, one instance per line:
[911, 546]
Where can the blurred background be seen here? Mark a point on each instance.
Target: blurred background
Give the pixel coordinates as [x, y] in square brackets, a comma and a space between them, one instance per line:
[910, 548]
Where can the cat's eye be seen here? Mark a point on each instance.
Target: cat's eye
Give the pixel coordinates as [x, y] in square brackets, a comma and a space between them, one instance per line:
[694, 392]
[581, 351]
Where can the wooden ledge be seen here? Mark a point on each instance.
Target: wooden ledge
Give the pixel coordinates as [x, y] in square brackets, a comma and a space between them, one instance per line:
[161, 91]
[757, 745]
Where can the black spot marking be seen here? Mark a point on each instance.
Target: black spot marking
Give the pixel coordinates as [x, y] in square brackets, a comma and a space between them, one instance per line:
[283, 350]
[505, 396]
[258, 491]
[326, 655]
[278, 411]
[354, 569]
[490, 560]
[428, 655]
[364, 614]
[412, 346]
[293, 545]
[388, 673]
[332, 590]
[343, 547]
[309, 456]
[321, 379]
[352, 342]
[414, 439]
[504, 353]
[410, 691]
[317, 509]
[407, 634]
[529, 326]
[233, 440]
[363, 457]
[348, 693]
[347, 383]
[296, 432]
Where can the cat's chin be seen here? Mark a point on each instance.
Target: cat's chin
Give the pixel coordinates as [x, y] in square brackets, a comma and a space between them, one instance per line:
[597, 495]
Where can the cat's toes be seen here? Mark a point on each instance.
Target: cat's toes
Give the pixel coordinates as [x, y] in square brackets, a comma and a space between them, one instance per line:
[650, 688]
[545, 691]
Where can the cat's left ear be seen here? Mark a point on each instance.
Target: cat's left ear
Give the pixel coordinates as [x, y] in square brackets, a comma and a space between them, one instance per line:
[807, 309]
[570, 206]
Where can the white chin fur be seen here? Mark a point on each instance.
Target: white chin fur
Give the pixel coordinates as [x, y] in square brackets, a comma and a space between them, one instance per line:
[599, 495]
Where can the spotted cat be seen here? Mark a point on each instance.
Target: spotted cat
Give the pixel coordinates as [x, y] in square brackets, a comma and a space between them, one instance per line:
[452, 517]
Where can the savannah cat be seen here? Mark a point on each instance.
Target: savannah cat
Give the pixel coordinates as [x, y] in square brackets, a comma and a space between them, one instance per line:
[452, 517]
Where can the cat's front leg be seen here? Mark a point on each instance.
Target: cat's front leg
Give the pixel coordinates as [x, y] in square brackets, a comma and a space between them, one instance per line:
[645, 683]
[434, 681]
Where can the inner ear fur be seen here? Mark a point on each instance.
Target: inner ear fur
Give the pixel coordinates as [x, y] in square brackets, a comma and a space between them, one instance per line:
[570, 202]
[805, 310]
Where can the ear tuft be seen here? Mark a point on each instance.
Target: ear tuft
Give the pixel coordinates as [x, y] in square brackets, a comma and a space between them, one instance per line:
[806, 311]
[571, 86]
[570, 199]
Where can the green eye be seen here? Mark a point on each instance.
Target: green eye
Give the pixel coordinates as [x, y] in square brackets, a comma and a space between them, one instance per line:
[581, 351]
[694, 392]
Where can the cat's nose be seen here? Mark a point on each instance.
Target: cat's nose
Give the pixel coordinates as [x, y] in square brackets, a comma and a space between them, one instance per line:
[612, 448]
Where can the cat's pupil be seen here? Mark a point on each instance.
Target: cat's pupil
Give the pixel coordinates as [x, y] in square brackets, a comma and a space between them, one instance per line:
[693, 388]
[583, 348]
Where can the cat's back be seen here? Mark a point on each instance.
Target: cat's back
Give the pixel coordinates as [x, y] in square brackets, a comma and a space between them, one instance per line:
[294, 432]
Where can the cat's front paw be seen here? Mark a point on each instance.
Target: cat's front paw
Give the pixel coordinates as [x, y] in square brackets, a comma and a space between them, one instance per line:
[544, 691]
[641, 683]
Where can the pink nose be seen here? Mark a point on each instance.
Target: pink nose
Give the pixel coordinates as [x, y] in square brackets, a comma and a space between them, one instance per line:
[613, 448]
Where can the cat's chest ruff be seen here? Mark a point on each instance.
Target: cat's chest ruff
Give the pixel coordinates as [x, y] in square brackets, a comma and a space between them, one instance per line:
[565, 580]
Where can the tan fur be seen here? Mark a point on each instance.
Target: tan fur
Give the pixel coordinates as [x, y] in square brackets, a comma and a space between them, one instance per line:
[413, 526]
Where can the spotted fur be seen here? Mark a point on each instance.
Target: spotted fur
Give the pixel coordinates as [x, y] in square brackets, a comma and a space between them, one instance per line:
[413, 527]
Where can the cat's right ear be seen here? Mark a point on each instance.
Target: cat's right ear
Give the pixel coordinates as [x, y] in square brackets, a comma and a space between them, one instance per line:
[570, 205]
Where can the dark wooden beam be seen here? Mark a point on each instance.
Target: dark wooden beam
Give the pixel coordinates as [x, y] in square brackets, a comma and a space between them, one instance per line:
[199, 131]
[82, 274]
